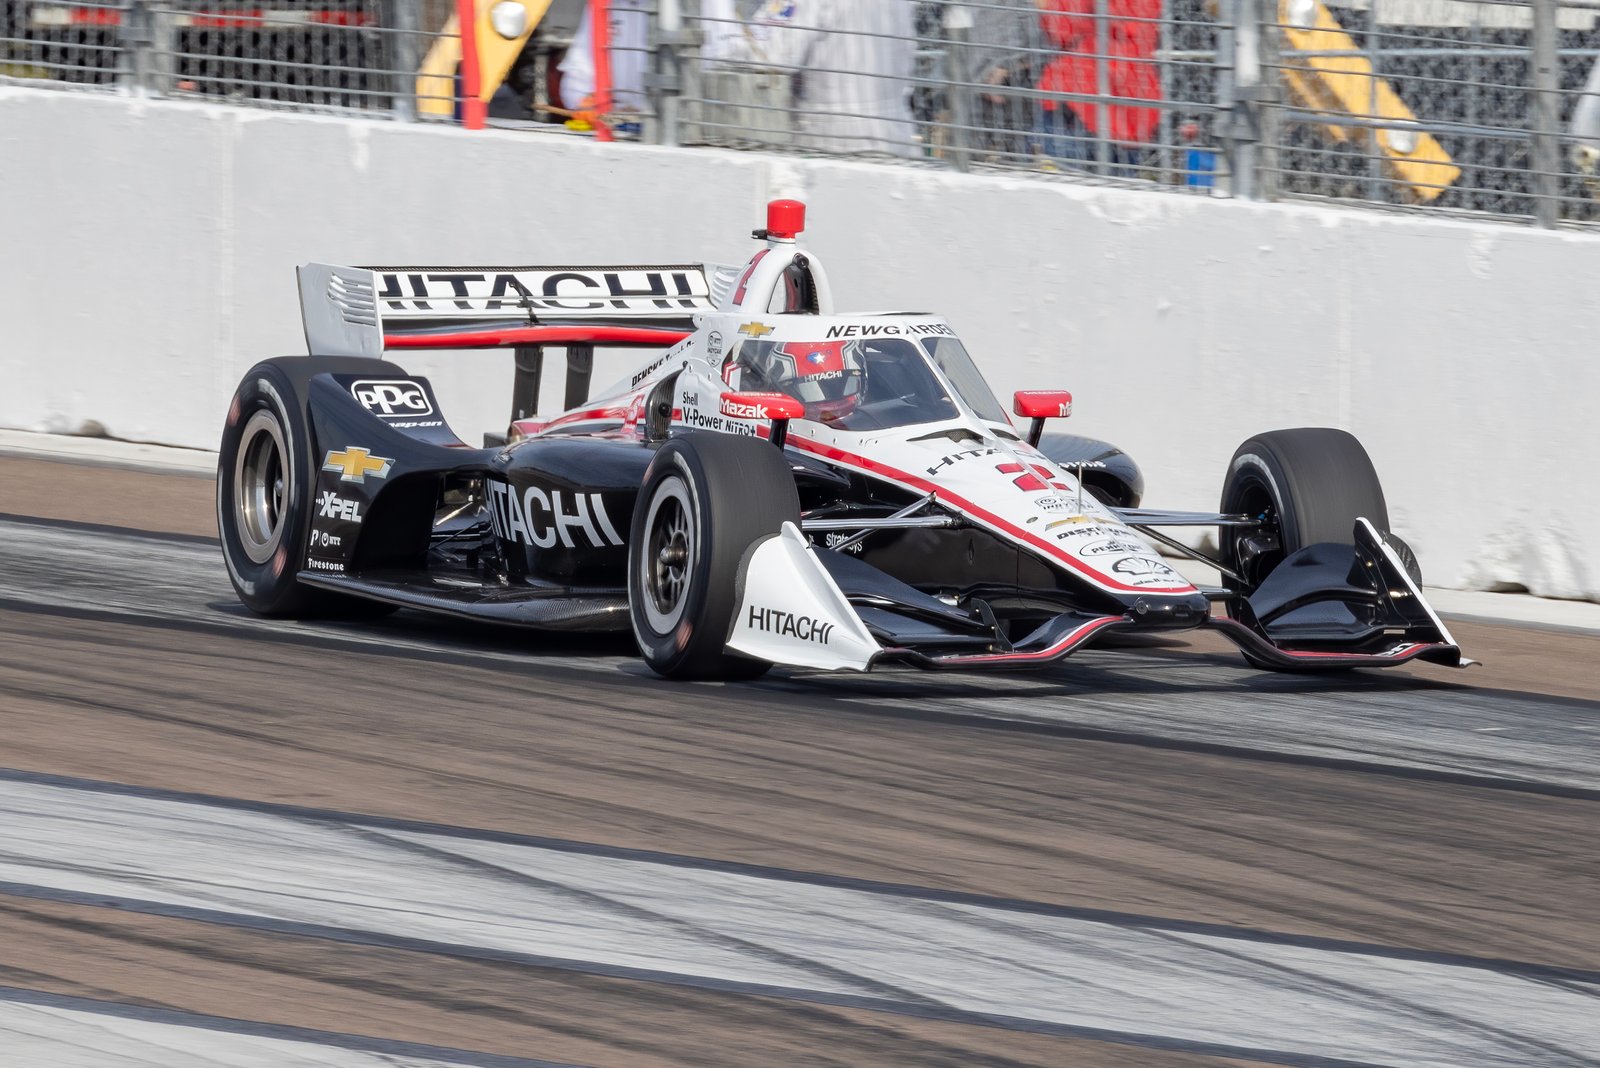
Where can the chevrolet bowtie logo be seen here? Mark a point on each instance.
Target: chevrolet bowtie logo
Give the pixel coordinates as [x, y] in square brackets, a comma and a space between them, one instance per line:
[1085, 518]
[755, 329]
[355, 464]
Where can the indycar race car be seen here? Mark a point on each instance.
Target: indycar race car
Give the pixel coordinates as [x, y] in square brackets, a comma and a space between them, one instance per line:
[777, 483]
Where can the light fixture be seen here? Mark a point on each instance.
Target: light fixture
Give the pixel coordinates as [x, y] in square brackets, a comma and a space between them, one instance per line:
[1402, 139]
[509, 18]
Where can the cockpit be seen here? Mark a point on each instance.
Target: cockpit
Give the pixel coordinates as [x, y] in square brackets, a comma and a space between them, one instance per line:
[868, 383]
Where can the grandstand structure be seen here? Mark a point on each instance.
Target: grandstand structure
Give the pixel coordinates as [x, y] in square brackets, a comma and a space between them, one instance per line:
[1443, 106]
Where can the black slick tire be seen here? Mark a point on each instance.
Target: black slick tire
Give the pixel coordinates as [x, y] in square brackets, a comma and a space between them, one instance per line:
[266, 477]
[706, 500]
[1310, 485]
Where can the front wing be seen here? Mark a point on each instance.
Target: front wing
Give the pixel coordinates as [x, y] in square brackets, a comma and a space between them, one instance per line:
[792, 611]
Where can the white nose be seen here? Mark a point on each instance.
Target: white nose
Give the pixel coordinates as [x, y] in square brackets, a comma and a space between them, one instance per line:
[1585, 157]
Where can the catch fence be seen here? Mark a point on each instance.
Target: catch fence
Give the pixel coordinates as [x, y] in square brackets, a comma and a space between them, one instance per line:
[1489, 107]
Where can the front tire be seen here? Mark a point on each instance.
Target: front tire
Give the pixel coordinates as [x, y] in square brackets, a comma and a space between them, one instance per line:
[707, 499]
[1307, 485]
[266, 478]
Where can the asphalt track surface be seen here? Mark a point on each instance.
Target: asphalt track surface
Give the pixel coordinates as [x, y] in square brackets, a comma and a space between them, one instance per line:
[228, 841]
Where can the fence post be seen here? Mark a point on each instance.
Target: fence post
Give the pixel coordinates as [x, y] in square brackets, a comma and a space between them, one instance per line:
[959, 88]
[138, 41]
[1241, 105]
[1546, 116]
[473, 111]
[400, 19]
[665, 81]
[1269, 113]
[1102, 87]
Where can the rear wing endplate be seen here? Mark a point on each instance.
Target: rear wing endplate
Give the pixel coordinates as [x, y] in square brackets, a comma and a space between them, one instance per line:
[362, 311]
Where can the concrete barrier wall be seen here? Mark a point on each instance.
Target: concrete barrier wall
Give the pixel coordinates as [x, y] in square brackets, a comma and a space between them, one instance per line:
[149, 250]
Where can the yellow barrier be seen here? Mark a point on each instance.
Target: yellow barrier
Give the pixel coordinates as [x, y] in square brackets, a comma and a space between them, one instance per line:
[1339, 80]
[436, 82]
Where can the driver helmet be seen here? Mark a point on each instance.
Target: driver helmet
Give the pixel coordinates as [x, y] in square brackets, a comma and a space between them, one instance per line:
[828, 377]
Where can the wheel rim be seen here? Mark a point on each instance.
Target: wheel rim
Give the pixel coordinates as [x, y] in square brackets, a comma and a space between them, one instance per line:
[1254, 498]
[670, 552]
[261, 487]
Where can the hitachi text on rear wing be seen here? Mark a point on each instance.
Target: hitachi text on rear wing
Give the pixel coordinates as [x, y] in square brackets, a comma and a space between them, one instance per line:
[364, 311]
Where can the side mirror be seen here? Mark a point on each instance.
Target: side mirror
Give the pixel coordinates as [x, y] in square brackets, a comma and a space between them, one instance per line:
[1039, 405]
[778, 407]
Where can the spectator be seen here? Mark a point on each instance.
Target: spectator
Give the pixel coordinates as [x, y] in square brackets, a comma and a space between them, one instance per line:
[1584, 132]
[995, 55]
[1132, 33]
[630, 28]
[850, 63]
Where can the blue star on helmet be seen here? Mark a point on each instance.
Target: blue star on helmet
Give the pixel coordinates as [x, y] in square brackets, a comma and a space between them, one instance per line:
[816, 356]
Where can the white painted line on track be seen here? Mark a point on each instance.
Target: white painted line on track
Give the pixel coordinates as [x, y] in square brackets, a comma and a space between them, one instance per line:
[39, 1030]
[108, 452]
[897, 952]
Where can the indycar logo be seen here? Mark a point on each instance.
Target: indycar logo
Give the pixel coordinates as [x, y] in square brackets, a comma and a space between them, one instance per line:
[391, 398]
[332, 506]
[789, 625]
[354, 464]
[541, 519]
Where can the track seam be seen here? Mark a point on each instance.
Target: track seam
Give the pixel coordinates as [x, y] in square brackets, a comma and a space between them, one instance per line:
[340, 820]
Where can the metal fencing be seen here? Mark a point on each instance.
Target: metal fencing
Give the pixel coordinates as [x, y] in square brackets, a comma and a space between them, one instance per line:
[1489, 107]
[346, 55]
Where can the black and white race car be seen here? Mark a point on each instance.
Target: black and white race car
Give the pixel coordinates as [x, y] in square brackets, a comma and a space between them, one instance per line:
[778, 483]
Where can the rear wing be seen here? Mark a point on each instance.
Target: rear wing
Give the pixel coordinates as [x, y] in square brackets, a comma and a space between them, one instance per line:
[363, 311]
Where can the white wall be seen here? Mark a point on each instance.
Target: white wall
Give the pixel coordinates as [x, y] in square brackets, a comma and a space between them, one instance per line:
[147, 253]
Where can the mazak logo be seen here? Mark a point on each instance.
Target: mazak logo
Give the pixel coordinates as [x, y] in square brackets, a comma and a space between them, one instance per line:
[392, 398]
[789, 625]
[354, 464]
[741, 410]
[332, 506]
[541, 519]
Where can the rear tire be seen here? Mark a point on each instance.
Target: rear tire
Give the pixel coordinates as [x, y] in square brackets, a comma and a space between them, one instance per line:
[706, 500]
[266, 477]
[1309, 485]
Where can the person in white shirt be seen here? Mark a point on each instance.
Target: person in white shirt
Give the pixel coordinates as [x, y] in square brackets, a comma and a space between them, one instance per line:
[851, 62]
[630, 29]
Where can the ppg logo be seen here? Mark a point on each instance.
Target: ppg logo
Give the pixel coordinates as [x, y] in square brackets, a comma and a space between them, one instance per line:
[389, 398]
